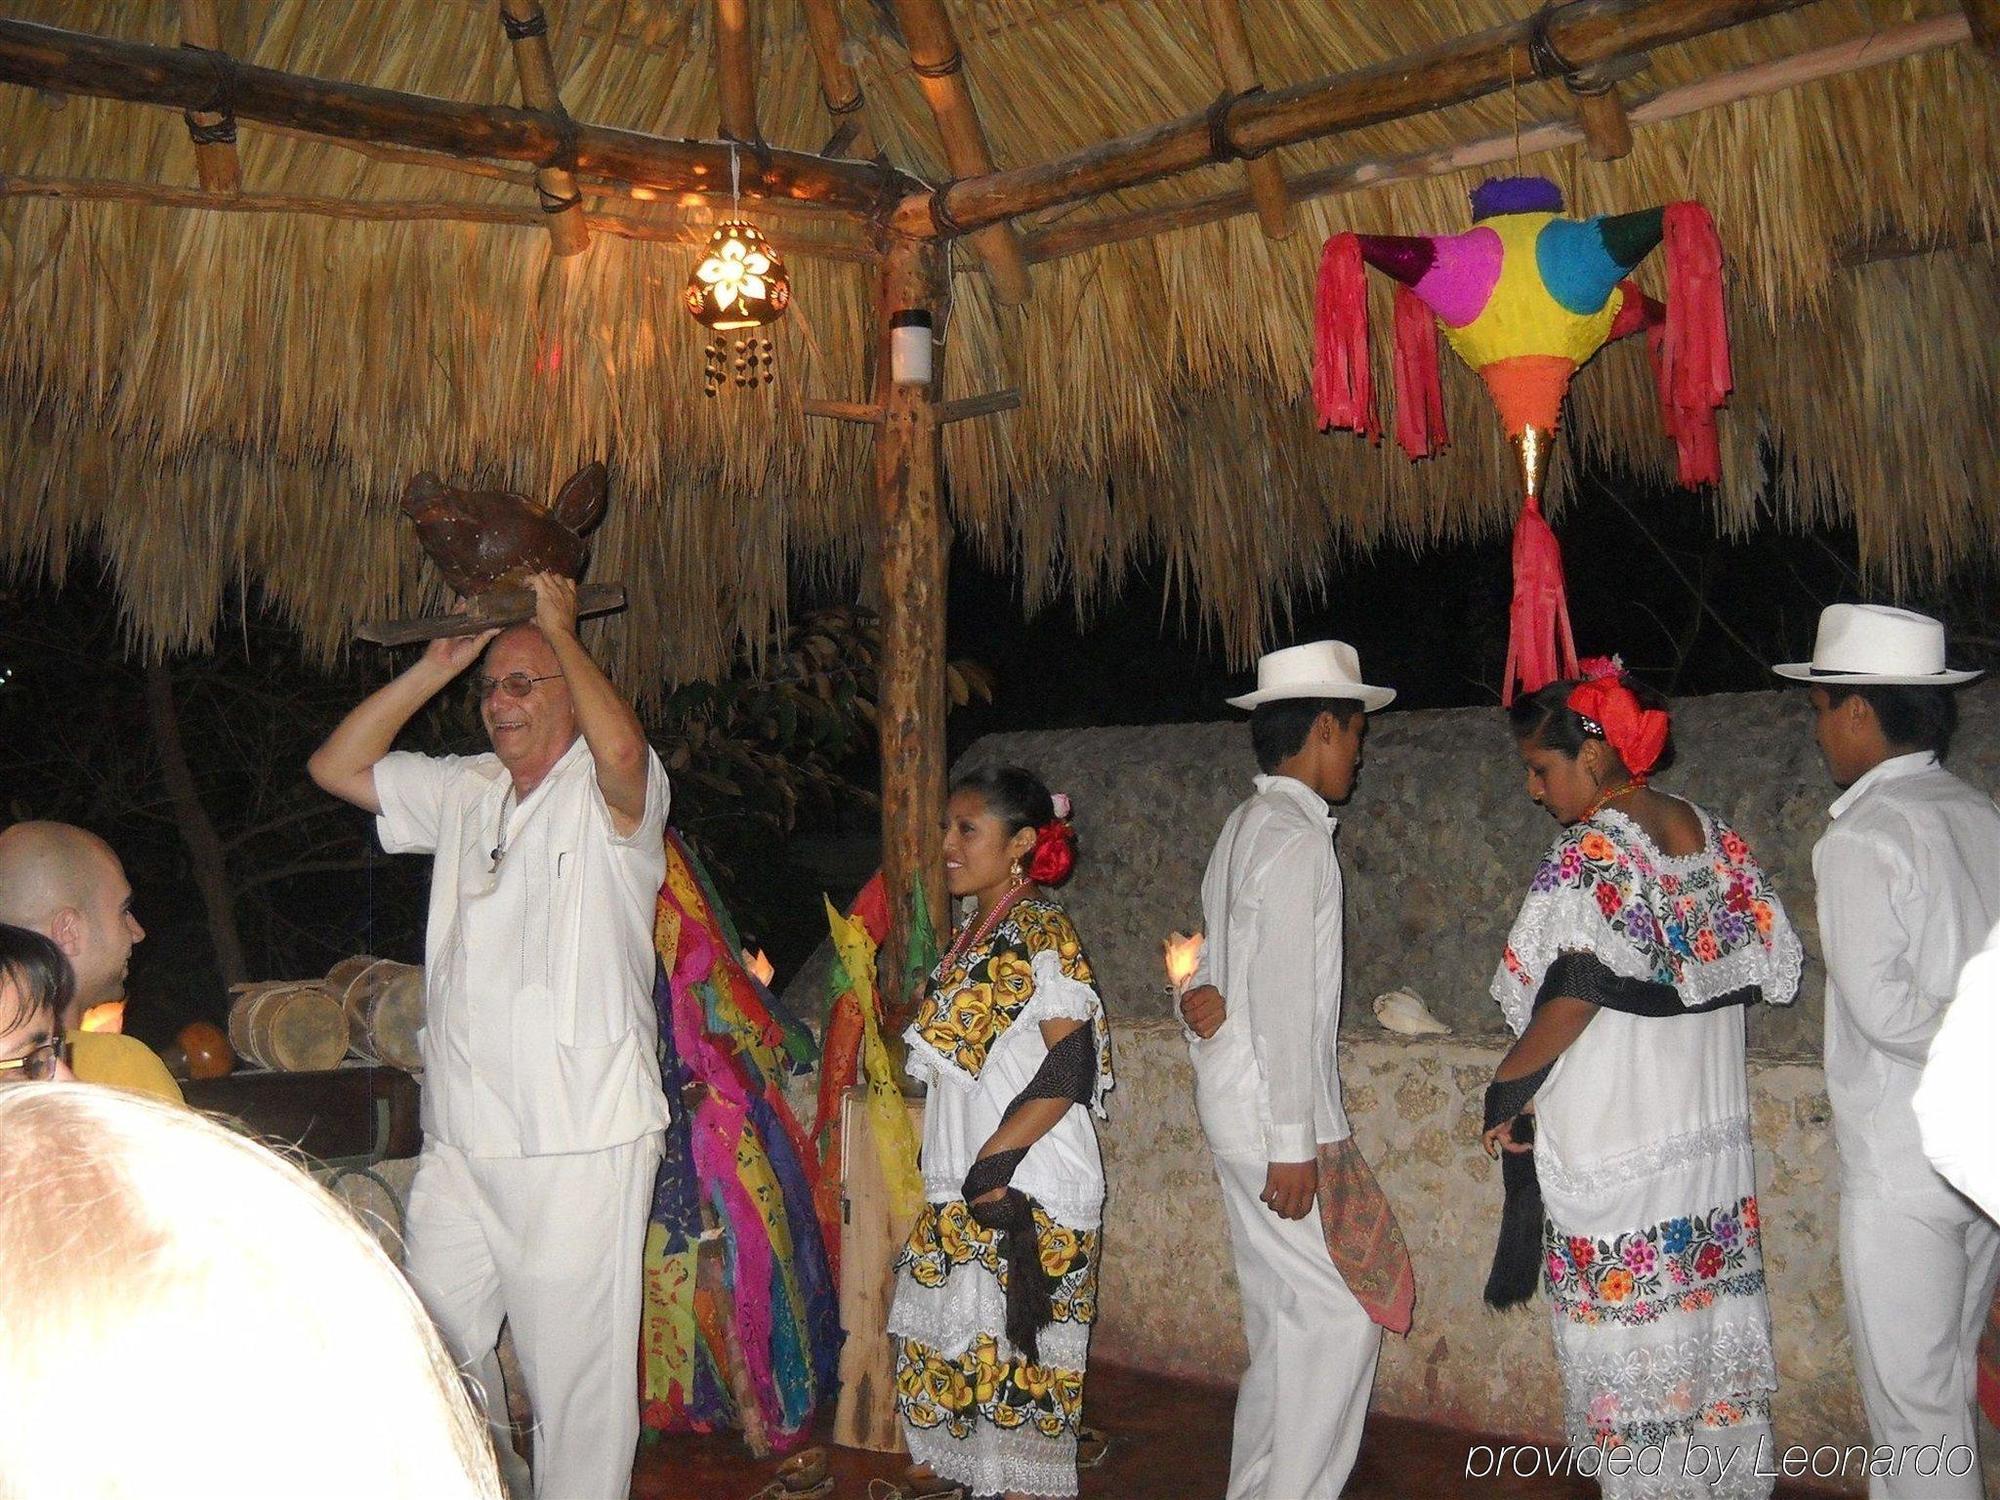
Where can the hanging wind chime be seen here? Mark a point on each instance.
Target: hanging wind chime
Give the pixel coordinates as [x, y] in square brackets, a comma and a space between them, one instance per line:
[1526, 297]
[740, 284]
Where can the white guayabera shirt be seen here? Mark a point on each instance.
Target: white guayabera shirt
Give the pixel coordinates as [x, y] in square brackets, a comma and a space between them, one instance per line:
[1909, 886]
[539, 1031]
[1267, 1084]
[1958, 1101]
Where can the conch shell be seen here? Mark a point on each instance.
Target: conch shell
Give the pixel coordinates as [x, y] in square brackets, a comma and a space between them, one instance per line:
[1404, 1011]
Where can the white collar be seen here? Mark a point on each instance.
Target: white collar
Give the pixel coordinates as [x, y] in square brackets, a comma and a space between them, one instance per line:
[503, 779]
[1299, 792]
[1895, 768]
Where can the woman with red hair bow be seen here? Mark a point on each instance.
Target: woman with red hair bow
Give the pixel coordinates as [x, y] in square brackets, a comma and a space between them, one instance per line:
[996, 1289]
[1646, 932]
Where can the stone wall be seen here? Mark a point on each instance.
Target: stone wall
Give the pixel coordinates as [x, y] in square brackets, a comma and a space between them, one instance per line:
[1437, 844]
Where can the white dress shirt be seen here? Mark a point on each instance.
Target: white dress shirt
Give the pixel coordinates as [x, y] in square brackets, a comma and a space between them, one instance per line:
[539, 1031]
[1909, 886]
[1958, 1101]
[1268, 1082]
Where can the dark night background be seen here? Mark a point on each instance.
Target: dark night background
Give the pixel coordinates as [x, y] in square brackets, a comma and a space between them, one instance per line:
[79, 735]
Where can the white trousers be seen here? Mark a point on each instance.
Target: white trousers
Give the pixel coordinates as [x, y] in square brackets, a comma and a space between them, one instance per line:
[1918, 1277]
[1301, 1405]
[556, 1246]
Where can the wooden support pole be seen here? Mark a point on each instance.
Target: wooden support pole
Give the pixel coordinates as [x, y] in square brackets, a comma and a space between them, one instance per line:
[1607, 133]
[736, 69]
[213, 133]
[71, 62]
[940, 69]
[1983, 16]
[528, 31]
[1753, 82]
[1239, 71]
[909, 501]
[1587, 32]
[838, 85]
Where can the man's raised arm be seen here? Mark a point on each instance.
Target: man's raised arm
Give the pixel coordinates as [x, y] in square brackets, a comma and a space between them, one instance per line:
[610, 728]
[345, 764]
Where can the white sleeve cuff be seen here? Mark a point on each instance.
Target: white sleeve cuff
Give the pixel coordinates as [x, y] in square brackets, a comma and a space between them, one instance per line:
[1290, 1143]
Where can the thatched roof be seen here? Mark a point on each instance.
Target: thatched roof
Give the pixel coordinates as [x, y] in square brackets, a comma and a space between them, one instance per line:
[224, 398]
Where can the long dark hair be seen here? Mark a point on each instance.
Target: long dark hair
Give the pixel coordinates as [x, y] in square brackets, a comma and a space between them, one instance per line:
[1021, 799]
[37, 972]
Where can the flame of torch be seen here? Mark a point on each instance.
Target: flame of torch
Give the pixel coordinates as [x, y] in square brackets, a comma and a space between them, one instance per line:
[110, 1016]
[759, 965]
[1183, 953]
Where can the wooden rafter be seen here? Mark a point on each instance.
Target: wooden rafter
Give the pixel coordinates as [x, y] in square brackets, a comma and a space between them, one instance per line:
[838, 84]
[1345, 177]
[1239, 72]
[736, 69]
[663, 230]
[940, 69]
[212, 131]
[1600, 111]
[1588, 32]
[527, 27]
[72, 62]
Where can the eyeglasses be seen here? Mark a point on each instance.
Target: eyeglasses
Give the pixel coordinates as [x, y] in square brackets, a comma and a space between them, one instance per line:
[515, 684]
[39, 1064]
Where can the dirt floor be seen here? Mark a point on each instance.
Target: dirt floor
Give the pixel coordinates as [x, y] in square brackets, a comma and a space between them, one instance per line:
[1169, 1441]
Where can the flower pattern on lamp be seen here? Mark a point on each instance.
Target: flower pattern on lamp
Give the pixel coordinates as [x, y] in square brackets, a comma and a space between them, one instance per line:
[739, 284]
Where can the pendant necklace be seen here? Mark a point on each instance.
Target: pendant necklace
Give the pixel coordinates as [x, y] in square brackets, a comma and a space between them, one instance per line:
[1611, 796]
[500, 834]
[969, 939]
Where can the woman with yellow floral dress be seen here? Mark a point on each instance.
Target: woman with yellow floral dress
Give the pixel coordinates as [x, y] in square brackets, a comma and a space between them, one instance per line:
[1010, 1037]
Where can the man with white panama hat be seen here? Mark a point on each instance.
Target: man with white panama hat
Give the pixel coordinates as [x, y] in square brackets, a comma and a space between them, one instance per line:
[1267, 1081]
[1908, 876]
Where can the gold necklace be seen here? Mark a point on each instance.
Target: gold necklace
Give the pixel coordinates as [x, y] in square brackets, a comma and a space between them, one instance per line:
[1607, 798]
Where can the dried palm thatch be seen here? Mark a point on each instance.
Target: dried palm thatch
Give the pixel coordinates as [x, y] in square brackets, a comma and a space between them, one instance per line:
[233, 400]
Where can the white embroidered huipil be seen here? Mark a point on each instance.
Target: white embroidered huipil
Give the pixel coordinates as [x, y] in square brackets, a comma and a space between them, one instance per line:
[539, 1034]
[1267, 1084]
[1909, 886]
[1267, 1087]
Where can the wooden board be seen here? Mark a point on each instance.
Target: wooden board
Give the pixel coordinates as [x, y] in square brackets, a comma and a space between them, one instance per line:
[870, 1239]
[501, 607]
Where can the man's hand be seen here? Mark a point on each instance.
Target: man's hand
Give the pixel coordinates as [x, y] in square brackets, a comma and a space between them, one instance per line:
[1290, 1187]
[1501, 1138]
[452, 654]
[555, 604]
[1203, 1010]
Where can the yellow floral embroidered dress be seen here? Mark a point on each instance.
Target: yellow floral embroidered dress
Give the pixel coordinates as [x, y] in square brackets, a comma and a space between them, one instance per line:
[972, 1408]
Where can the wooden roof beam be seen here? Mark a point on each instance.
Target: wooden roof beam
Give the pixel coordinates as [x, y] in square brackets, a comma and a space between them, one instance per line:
[940, 68]
[1239, 72]
[527, 27]
[736, 40]
[1873, 50]
[212, 131]
[838, 85]
[71, 62]
[1588, 33]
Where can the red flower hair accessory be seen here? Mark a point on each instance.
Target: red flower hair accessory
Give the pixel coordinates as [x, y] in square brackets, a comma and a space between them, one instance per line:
[1612, 711]
[1054, 854]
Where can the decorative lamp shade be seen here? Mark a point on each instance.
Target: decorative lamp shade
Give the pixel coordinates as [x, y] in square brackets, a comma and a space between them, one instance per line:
[740, 281]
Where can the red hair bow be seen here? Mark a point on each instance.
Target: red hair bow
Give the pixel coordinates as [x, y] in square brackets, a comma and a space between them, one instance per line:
[1637, 734]
[1054, 854]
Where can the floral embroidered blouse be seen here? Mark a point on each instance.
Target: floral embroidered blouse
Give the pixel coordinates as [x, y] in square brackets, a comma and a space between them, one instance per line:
[1707, 924]
[977, 1041]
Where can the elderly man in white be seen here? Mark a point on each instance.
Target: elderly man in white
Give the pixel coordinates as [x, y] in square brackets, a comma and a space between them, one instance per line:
[1909, 885]
[543, 1113]
[1267, 1079]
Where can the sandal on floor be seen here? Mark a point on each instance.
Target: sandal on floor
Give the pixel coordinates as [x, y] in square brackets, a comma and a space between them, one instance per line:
[917, 1487]
[806, 1475]
[1093, 1446]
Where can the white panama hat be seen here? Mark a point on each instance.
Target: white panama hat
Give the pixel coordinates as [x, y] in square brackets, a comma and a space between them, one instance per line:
[1873, 645]
[1318, 669]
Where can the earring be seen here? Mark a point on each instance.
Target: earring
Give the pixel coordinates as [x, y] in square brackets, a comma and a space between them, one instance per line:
[1017, 869]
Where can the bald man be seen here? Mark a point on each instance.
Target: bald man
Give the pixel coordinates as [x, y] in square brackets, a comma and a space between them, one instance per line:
[66, 883]
[543, 1115]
